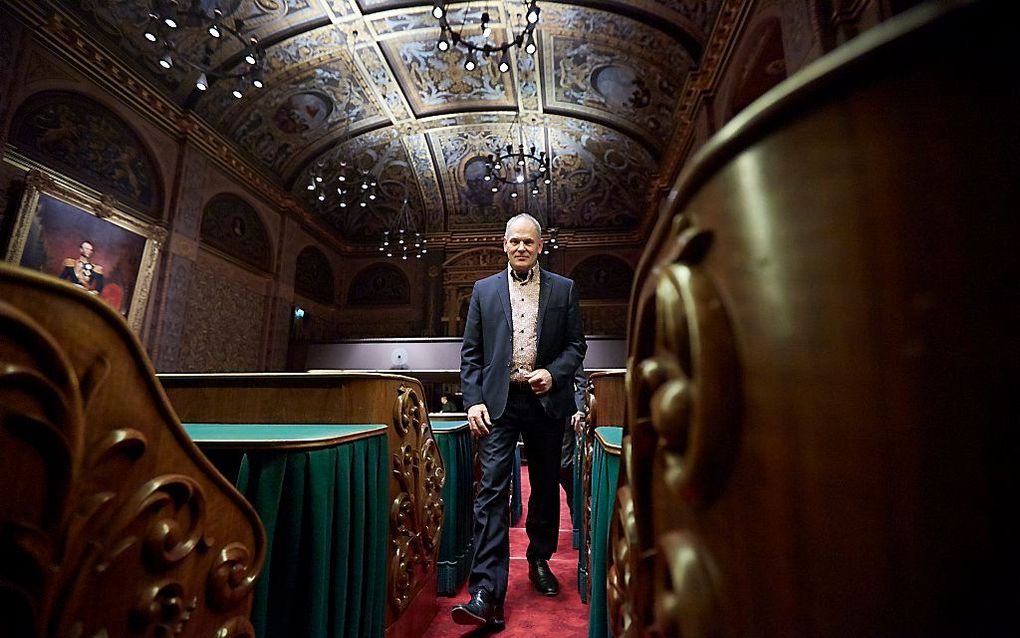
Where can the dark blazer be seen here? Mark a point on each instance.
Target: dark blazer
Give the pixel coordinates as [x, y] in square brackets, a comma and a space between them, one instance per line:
[485, 355]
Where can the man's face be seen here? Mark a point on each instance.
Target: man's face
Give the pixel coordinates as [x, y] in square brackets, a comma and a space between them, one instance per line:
[522, 245]
[86, 250]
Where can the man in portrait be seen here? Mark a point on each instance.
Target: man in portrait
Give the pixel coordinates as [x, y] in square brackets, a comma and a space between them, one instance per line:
[83, 271]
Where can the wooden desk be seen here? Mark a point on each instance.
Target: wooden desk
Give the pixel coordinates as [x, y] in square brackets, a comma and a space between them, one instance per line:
[605, 405]
[320, 490]
[456, 446]
[416, 470]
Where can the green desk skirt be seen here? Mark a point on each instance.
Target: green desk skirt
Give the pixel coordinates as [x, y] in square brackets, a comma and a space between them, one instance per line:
[604, 472]
[455, 545]
[322, 493]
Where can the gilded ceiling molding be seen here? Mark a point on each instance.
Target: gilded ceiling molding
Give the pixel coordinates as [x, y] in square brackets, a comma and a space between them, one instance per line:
[700, 84]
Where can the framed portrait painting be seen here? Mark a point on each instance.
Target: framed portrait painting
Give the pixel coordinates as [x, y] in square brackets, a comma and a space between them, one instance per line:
[65, 231]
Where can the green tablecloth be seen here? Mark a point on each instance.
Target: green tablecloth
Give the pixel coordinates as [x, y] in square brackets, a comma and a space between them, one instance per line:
[322, 493]
[455, 545]
[604, 472]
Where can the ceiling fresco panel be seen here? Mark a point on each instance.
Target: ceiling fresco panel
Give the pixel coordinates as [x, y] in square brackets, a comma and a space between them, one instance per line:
[123, 23]
[600, 176]
[377, 73]
[363, 81]
[420, 156]
[264, 18]
[306, 100]
[460, 150]
[614, 70]
[403, 21]
[125, 20]
[296, 117]
[436, 82]
[341, 8]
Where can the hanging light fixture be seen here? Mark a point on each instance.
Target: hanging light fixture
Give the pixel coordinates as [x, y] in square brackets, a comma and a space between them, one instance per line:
[522, 166]
[402, 239]
[170, 20]
[342, 185]
[477, 39]
[544, 214]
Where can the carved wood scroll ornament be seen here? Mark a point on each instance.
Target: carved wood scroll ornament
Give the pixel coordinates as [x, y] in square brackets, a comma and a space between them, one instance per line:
[680, 444]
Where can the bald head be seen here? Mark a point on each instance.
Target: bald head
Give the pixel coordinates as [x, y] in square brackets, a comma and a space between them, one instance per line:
[519, 218]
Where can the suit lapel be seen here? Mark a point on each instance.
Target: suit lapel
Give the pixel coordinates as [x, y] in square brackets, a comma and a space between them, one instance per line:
[504, 298]
[543, 303]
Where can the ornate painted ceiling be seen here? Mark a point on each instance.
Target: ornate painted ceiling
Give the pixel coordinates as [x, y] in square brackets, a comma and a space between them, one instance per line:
[362, 81]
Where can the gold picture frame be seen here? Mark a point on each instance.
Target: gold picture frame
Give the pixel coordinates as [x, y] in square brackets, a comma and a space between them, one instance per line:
[55, 220]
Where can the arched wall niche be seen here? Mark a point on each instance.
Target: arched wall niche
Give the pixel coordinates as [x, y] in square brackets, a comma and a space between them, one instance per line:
[232, 226]
[379, 284]
[603, 277]
[313, 276]
[79, 137]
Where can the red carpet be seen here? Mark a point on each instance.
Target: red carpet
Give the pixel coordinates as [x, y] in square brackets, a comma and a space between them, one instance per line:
[529, 614]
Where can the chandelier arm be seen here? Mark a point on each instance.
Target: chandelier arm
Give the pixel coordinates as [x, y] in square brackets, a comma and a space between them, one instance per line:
[457, 37]
[169, 18]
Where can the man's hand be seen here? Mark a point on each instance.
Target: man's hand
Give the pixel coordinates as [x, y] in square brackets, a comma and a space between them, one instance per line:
[478, 419]
[540, 381]
[577, 421]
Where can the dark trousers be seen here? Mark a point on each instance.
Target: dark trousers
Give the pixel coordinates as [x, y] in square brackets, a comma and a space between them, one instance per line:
[543, 437]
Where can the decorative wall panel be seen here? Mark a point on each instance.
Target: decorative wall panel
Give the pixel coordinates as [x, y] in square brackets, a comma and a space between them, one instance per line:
[222, 326]
[172, 317]
[313, 276]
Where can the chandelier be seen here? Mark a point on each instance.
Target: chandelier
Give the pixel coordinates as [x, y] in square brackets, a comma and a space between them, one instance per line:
[171, 20]
[352, 186]
[479, 43]
[552, 243]
[402, 237]
[523, 167]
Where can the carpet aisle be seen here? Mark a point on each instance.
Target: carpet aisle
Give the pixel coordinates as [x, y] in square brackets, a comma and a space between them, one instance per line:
[528, 613]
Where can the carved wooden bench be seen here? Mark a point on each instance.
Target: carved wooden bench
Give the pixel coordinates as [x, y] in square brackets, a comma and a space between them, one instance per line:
[820, 437]
[605, 404]
[417, 470]
[112, 523]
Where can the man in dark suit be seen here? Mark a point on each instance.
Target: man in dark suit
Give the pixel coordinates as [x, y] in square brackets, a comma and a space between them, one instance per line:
[523, 341]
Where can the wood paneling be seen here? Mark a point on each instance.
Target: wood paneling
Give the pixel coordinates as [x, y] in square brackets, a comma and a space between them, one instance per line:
[822, 349]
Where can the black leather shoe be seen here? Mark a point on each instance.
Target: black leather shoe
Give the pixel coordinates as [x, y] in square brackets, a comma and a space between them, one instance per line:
[542, 577]
[479, 611]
